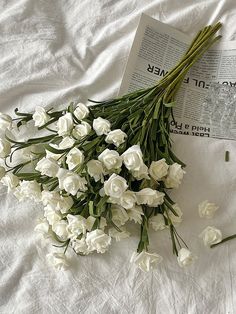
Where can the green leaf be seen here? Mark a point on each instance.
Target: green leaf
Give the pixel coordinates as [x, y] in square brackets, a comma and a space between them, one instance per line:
[170, 104]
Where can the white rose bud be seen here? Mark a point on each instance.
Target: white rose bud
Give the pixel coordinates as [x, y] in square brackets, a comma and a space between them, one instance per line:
[174, 176]
[81, 111]
[51, 215]
[110, 159]
[48, 167]
[95, 170]
[118, 235]
[146, 261]
[5, 148]
[157, 222]
[42, 228]
[81, 130]
[116, 137]
[71, 182]
[185, 257]
[135, 214]
[211, 235]
[64, 204]
[119, 215]
[142, 173]
[115, 186]
[60, 228]
[40, 116]
[80, 246]
[65, 124]
[207, 210]
[101, 126]
[5, 122]
[74, 158]
[175, 219]
[76, 225]
[98, 240]
[127, 200]
[133, 158]
[28, 189]
[10, 180]
[158, 169]
[150, 197]
[67, 142]
[57, 260]
[2, 172]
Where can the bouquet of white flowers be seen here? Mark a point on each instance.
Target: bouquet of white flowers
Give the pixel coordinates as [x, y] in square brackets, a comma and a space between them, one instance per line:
[97, 167]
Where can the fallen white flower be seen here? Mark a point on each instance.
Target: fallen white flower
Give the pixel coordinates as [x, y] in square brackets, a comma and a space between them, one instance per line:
[146, 261]
[185, 257]
[207, 209]
[58, 261]
[211, 235]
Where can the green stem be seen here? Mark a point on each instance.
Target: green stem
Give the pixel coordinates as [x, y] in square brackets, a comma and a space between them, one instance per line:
[224, 240]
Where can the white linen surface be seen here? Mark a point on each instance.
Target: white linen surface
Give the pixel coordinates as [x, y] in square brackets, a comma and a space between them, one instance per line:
[53, 52]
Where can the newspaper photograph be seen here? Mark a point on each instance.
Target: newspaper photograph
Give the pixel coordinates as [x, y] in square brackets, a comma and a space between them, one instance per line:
[206, 101]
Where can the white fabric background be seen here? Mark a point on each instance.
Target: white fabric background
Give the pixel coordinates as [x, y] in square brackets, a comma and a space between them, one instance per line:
[53, 52]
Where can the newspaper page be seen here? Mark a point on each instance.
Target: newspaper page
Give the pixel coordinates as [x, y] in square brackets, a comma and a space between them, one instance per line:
[157, 48]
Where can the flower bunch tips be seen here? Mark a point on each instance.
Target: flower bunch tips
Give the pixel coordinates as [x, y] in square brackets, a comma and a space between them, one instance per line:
[98, 168]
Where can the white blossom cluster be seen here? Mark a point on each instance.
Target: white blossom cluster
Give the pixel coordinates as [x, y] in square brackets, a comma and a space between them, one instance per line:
[75, 172]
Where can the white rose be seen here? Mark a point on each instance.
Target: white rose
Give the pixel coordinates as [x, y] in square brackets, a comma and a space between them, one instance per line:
[42, 228]
[81, 130]
[10, 180]
[71, 182]
[175, 219]
[150, 197]
[135, 214]
[206, 209]
[65, 124]
[40, 116]
[116, 137]
[95, 170]
[50, 197]
[115, 186]
[28, 189]
[48, 167]
[110, 159]
[142, 173]
[98, 240]
[57, 260]
[119, 215]
[80, 246]
[127, 200]
[5, 148]
[157, 222]
[2, 172]
[74, 158]
[185, 257]
[76, 225]
[133, 158]
[60, 228]
[174, 176]
[67, 142]
[101, 126]
[51, 215]
[211, 235]
[5, 122]
[158, 169]
[118, 235]
[146, 261]
[81, 111]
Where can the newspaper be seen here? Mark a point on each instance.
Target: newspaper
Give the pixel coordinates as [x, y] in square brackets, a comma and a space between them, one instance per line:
[157, 48]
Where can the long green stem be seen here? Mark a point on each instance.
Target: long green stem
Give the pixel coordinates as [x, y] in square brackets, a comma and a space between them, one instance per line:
[224, 240]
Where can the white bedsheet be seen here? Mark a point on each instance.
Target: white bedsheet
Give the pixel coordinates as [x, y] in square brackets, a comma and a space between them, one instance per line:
[52, 52]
